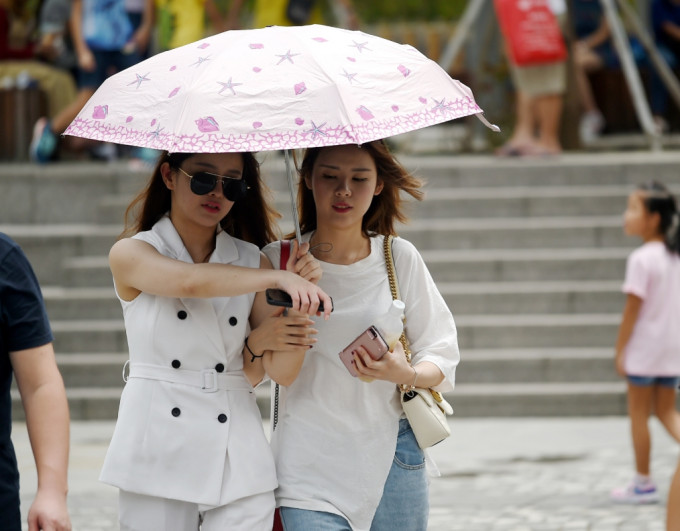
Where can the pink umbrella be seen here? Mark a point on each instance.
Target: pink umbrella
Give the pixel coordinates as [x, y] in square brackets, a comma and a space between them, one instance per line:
[274, 88]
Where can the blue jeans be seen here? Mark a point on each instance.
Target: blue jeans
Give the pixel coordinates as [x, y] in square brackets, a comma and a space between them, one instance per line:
[404, 504]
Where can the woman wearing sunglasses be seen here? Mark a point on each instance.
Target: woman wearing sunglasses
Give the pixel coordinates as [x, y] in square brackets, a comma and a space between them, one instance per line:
[346, 458]
[188, 449]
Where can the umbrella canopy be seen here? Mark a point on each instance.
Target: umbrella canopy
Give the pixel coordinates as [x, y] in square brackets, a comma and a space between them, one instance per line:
[273, 88]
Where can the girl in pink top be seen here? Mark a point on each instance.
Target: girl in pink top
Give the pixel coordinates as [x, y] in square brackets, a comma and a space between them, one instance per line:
[648, 345]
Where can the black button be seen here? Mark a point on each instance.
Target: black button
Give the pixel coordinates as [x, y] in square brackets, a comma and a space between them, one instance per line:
[182, 314]
[176, 364]
[219, 367]
[176, 412]
[233, 321]
[222, 418]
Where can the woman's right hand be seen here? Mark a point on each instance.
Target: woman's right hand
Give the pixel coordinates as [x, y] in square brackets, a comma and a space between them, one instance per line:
[306, 296]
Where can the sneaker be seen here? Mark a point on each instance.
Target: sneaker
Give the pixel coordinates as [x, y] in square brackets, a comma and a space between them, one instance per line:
[44, 142]
[636, 494]
[591, 126]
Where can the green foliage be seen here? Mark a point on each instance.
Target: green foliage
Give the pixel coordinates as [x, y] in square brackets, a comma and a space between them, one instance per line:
[374, 11]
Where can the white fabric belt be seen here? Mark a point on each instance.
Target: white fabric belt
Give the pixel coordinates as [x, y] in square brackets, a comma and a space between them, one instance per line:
[207, 380]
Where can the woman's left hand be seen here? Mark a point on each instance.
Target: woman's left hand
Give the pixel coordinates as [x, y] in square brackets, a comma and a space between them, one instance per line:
[392, 367]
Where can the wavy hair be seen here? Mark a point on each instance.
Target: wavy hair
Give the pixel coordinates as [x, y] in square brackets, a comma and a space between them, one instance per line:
[250, 219]
[386, 209]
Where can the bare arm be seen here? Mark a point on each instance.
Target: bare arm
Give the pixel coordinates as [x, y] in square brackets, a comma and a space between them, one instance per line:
[599, 36]
[47, 418]
[138, 267]
[671, 29]
[628, 320]
[83, 53]
[142, 35]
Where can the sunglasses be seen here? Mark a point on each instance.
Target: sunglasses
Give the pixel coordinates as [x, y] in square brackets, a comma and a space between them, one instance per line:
[202, 183]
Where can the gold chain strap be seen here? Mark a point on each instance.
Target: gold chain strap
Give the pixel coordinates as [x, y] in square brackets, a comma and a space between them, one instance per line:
[392, 277]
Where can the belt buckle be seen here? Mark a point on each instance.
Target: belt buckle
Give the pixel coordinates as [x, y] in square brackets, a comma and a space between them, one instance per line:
[209, 380]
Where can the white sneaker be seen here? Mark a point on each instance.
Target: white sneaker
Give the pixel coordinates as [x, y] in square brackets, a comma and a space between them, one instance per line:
[591, 126]
[635, 493]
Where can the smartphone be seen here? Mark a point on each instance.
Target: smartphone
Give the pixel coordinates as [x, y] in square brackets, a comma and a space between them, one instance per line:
[372, 341]
[278, 297]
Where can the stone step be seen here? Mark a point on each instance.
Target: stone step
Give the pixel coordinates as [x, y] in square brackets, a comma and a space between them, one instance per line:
[89, 335]
[85, 369]
[537, 331]
[532, 297]
[81, 303]
[508, 265]
[49, 247]
[61, 192]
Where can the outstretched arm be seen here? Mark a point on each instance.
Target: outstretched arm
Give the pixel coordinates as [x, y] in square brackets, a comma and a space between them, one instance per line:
[630, 315]
[47, 418]
[138, 267]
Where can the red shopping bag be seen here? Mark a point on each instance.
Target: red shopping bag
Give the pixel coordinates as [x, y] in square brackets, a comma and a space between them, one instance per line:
[531, 32]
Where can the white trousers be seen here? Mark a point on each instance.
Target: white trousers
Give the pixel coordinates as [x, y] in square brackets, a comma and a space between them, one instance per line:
[138, 512]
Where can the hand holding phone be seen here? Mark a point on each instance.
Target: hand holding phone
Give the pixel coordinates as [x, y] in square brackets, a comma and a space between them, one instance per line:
[372, 341]
[278, 297]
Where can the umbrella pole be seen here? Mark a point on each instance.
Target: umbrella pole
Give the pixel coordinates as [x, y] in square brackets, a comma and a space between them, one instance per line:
[291, 189]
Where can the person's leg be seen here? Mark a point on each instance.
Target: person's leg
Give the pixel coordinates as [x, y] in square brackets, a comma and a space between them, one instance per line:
[549, 112]
[640, 399]
[673, 504]
[254, 513]
[664, 407]
[302, 520]
[641, 489]
[404, 504]
[138, 512]
[523, 132]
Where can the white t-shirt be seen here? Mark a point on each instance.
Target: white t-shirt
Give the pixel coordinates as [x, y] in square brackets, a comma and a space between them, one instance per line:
[335, 440]
[653, 274]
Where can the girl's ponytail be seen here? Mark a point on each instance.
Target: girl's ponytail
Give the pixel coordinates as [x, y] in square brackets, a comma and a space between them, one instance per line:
[657, 199]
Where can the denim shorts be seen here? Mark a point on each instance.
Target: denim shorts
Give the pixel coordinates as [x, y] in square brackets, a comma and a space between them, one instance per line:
[662, 381]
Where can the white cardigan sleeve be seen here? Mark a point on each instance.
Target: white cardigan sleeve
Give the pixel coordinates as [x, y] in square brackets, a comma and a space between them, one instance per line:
[430, 327]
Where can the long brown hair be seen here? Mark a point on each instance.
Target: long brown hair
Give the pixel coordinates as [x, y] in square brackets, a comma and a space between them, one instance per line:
[250, 219]
[386, 207]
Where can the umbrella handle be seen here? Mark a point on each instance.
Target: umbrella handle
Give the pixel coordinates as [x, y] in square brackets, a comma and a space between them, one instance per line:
[289, 175]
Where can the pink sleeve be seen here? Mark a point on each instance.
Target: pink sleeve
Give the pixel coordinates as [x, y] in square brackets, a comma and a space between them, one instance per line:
[637, 274]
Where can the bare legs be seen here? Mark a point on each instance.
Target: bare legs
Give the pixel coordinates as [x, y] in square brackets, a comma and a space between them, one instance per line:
[641, 402]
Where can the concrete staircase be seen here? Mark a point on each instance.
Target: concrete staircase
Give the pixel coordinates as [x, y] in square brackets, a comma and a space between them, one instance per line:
[529, 255]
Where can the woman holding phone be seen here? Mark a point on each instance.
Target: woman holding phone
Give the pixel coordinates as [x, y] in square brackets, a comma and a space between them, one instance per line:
[188, 449]
[346, 456]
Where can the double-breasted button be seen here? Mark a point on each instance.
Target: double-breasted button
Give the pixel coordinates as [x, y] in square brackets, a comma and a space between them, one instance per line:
[222, 418]
[219, 367]
[176, 364]
[176, 412]
[181, 315]
[233, 321]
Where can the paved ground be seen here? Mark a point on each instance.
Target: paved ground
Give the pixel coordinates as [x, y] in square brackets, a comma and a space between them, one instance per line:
[496, 474]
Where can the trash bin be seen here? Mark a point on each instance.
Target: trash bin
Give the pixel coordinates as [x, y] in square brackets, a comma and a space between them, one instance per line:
[20, 108]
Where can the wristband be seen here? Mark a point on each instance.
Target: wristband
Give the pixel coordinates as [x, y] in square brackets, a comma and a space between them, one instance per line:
[252, 354]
